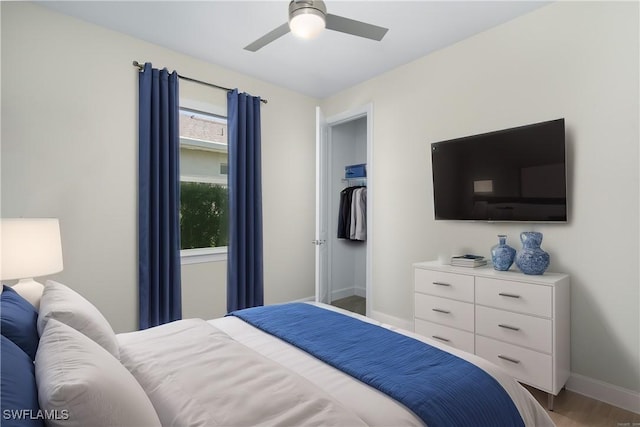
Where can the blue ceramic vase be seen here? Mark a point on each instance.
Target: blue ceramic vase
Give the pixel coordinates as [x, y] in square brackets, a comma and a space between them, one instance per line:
[502, 255]
[531, 259]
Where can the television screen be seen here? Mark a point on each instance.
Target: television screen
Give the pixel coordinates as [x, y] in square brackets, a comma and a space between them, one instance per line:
[516, 174]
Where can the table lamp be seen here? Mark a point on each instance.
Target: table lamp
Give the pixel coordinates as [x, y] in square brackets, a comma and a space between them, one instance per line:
[30, 247]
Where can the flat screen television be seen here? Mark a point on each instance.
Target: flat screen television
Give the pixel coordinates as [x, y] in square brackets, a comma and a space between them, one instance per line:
[516, 174]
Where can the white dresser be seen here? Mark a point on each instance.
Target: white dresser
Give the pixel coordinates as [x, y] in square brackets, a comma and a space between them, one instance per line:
[517, 321]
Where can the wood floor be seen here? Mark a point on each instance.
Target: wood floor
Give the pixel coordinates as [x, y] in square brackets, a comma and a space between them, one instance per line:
[570, 409]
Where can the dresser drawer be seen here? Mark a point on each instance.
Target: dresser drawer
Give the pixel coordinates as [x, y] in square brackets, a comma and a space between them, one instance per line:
[514, 296]
[528, 366]
[450, 336]
[520, 329]
[448, 285]
[445, 311]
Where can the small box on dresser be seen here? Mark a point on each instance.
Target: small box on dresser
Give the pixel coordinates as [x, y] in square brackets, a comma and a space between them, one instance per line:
[519, 322]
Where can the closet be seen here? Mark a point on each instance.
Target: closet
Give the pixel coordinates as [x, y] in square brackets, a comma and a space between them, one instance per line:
[347, 256]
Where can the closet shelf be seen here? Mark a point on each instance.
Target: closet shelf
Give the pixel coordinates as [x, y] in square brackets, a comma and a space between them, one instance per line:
[358, 181]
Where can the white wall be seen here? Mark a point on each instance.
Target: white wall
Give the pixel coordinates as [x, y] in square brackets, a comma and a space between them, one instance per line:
[577, 60]
[69, 150]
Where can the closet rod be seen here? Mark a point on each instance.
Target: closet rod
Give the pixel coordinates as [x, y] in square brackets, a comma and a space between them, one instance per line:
[189, 79]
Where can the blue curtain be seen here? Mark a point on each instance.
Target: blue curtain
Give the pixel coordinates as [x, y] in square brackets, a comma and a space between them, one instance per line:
[244, 261]
[158, 198]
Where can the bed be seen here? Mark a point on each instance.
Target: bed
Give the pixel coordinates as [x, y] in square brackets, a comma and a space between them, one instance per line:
[298, 364]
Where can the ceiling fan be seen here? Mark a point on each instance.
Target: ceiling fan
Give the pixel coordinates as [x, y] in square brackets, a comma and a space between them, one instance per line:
[307, 18]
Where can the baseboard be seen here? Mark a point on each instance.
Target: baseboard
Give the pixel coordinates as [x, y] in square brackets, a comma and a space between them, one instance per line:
[348, 292]
[605, 392]
[392, 320]
[307, 299]
[341, 293]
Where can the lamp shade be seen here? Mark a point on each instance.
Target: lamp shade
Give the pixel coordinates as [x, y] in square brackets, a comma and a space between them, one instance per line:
[30, 247]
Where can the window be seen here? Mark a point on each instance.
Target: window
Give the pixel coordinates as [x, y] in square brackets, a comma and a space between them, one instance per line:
[204, 195]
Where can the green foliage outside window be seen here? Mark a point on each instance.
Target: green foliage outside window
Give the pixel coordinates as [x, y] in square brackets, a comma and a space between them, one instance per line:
[204, 215]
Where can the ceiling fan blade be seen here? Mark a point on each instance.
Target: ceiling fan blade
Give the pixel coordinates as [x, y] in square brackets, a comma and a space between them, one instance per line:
[268, 38]
[356, 28]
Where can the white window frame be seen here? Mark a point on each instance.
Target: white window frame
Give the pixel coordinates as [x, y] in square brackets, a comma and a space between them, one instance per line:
[213, 254]
[200, 255]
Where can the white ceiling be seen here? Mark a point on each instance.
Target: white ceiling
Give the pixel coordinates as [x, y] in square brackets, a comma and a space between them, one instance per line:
[217, 31]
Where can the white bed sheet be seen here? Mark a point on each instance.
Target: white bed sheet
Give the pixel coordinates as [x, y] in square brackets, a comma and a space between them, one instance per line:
[196, 375]
[371, 405]
[199, 373]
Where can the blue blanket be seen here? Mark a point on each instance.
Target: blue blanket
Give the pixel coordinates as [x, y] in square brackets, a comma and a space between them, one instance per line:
[442, 389]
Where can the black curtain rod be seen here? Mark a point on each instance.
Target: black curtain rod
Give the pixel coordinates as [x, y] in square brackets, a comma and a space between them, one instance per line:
[189, 79]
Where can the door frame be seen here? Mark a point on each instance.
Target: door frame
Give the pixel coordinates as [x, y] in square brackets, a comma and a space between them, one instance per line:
[344, 117]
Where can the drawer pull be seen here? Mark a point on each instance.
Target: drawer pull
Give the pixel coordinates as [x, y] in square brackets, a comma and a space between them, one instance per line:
[508, 359]
[502, 294]
[439, 310]
[441, 284]
[513, 328]
[440, 338]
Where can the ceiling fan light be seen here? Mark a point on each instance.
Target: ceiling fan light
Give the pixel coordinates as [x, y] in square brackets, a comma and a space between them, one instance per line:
[307, 23]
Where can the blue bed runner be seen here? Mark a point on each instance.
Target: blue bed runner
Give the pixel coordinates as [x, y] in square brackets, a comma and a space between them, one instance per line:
[442, 389]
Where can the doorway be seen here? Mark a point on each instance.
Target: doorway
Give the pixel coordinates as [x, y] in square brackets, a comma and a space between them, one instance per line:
[343, 266]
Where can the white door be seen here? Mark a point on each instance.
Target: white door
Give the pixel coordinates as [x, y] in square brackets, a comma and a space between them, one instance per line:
[322, 276]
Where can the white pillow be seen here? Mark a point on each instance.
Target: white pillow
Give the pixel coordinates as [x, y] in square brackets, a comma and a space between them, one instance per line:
[69, 307]
[84, 385]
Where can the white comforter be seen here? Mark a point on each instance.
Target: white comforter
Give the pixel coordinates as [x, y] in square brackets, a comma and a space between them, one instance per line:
[226, 372]
[196, 375]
